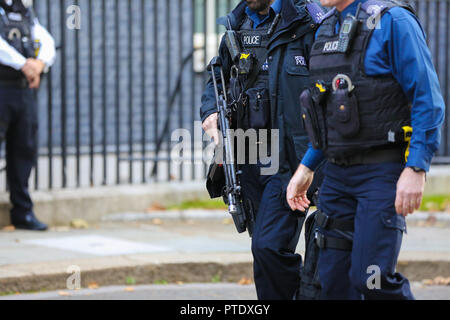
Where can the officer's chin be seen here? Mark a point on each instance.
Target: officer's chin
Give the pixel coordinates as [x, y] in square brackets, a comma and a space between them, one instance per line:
[328, 3]
[254, 5]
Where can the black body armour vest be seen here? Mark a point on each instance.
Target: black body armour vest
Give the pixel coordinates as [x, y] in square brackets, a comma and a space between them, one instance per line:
[16, 22]
[254, 112]
[376, 109]
[254, 41]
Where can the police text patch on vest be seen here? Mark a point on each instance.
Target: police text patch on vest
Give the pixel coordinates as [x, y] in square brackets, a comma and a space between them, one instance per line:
[331, 46]
[250, 40]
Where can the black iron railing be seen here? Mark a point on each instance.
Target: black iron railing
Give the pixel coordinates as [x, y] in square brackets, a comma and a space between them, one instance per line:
[132, 73]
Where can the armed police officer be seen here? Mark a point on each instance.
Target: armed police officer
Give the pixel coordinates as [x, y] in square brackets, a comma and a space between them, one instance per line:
[374, 110]
[26, 51]
[278, 34]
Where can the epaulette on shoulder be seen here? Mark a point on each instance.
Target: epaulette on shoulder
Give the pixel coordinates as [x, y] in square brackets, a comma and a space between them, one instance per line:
[328, 14]
[380, 6]
[316, 12]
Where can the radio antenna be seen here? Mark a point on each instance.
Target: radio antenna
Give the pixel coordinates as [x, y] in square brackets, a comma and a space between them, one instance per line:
[358, 10]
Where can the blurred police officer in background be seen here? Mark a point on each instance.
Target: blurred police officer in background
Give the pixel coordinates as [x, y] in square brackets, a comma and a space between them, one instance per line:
[279, 33]
[375, 112]
[26, 51]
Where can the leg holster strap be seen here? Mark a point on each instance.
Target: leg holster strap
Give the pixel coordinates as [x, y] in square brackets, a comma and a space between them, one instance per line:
[325, 242]
[329, 223]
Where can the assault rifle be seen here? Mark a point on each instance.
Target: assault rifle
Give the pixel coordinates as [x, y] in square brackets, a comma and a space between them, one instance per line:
[243, 215]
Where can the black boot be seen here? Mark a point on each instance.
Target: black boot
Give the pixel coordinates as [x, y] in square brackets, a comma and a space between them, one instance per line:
[29, 222]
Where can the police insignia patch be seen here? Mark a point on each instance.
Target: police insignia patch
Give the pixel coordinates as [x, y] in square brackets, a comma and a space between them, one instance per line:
[300, 61]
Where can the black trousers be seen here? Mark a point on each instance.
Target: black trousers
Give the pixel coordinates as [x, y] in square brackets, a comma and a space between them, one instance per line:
[275, 236]
[18, 127]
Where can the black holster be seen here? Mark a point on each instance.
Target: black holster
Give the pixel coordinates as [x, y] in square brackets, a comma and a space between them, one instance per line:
[314, 120]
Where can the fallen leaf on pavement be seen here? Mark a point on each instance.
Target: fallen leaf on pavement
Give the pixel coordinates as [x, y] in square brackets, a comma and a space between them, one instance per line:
[155, 207]
[438, 281]
[60, 229]
[427, 282]
[441, 281]
[129, 289]
[79, 224]
[93, 285]
[227, 221]
[447, 206]
[64, 293]
[245, 282]
[9, 229]
[157, 222]
[431, 221]
[180, 283]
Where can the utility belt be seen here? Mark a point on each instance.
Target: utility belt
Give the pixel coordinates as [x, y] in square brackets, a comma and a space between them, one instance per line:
[20, 83]
[371, 157]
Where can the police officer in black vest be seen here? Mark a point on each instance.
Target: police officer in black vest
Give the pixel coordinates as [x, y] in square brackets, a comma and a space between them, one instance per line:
[26, 51]
[279, 34]
[374, 110]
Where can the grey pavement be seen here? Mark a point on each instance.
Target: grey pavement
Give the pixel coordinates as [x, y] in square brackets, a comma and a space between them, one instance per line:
[220, 291]
[174, 236]
[183, 248]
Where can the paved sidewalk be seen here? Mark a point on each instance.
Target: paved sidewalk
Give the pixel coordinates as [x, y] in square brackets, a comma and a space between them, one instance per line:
[182, 249]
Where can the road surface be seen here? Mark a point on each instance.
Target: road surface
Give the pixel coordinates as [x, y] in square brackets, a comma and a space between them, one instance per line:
[191, 292]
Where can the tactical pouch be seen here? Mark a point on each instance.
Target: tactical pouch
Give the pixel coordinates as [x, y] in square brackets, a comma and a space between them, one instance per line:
[258, 108]
[345, 113]
[312, 117]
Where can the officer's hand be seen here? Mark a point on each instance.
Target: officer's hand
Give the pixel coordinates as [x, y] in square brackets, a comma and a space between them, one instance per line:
[35, 83]
[29, 70]
[32, 71]
[299, 185]
[38, 66]
[34, 66]
[410, 188]
[211, 128]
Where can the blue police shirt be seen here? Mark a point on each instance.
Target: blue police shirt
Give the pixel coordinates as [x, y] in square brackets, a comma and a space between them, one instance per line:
[261, 19]
[398, 47]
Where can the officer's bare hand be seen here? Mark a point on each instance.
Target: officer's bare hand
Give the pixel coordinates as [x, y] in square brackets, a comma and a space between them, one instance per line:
[38, 66]
[410, 188]
[32, 71]
[211, 128]
[298, 187]
[29, 70]
[35, 83]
